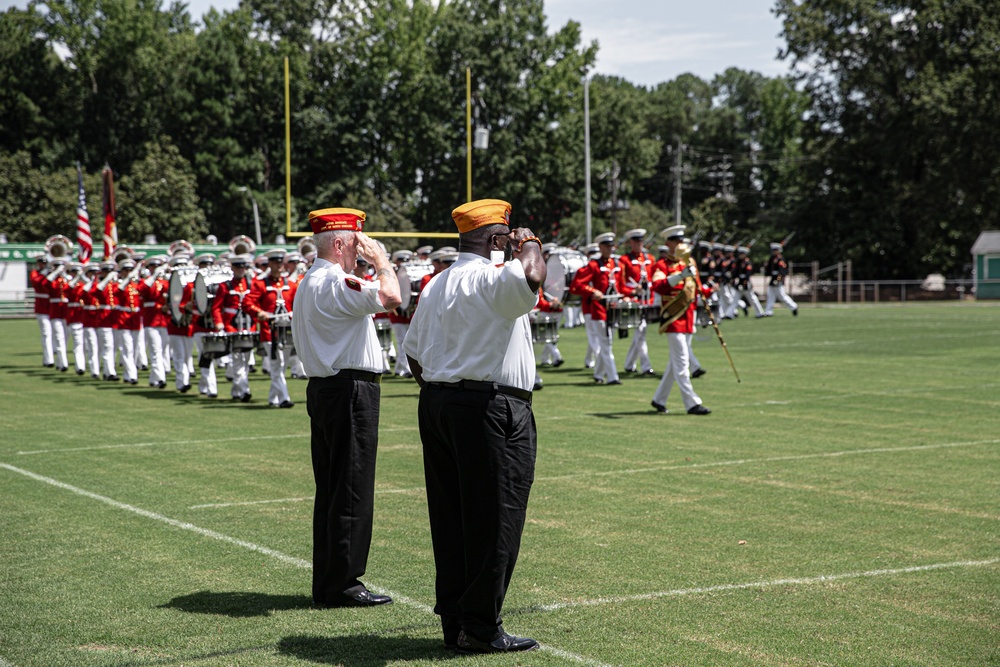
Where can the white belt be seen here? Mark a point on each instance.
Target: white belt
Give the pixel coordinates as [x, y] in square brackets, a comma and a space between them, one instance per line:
[90, 307]
[41, 296]
[74, 305]
[232, 311]
[125, 309]
[148, 304]
[104, 307]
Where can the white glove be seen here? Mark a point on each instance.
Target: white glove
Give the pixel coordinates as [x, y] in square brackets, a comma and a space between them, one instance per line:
[674, 278]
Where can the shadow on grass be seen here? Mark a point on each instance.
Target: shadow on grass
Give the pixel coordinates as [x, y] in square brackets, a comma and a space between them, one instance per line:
[237, 604]
[623, 415]
[362, 650]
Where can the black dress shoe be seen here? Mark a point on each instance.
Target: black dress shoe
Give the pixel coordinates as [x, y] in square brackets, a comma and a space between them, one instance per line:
[537, 387]
[363, 599]
[253, 369]
[80, 371]
[698, 373]
[659, 408]
[649, 372]
[112, 378]
[246, 398]
[143, 368]
[699, 410]
[558, 363]
[185, 389]
[286, 404]
[161, 385]
[212, 395]
[501, 643]
[49, 365]
[615, 382]
[795, 312]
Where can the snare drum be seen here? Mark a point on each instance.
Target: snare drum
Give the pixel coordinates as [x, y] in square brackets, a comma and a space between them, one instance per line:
[383, 329]
[244, 341]
[544, 327]
[625, 315]
[214, 346]
[651, 314]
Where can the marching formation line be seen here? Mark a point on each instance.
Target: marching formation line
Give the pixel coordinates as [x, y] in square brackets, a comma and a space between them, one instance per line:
[284, 558]
[170, 442]
[767, 459]
[799, 581]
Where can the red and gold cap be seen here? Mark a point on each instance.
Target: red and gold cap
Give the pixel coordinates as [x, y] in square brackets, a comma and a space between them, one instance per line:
[337, 219]
[481, 212]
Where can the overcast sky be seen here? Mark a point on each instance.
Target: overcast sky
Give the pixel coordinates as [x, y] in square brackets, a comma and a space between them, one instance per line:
[650, 41]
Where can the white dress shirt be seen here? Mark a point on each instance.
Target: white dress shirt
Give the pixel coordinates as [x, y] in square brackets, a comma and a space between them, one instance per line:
[472, 324]
[332, 327]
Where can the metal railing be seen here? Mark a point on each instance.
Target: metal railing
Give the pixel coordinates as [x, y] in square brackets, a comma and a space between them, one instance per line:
[834, 284]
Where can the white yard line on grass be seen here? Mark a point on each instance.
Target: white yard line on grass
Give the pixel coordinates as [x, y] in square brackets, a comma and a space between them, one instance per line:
[418, 489]
[169, 442]
[767, 459]
[4, 663]
[797, 581]
[284, 558]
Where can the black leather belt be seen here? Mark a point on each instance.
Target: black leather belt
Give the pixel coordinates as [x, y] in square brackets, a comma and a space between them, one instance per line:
[351, 374]
[485, 387]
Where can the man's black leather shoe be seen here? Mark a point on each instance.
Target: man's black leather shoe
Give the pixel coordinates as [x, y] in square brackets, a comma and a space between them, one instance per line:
[501, 643]
[699, 410]
[698, 373]
[363, 599]
[658, 407]
[615, 382]
[286, 404]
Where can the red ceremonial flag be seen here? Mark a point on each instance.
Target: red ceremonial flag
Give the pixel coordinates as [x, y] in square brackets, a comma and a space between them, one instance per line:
[110, 229]
[83, 222]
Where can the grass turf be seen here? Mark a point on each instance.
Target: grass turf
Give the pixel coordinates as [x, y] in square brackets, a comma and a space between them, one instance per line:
[839, 507]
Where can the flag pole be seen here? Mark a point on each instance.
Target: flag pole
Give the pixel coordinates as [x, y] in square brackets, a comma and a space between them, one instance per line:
[288, 156]
[468, 134]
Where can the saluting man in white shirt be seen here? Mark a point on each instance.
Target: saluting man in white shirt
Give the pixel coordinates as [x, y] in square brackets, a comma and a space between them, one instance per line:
[469, 347]
[335, 337]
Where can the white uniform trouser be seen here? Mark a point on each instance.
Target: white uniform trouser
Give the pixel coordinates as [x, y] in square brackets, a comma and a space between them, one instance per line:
[572, 317]
[733, 300]
[399, 330]
[92, 350]
[141, 359]
[677, 371]
[159, 347]
[751, 298]
[127, 341]
[45, 327]
[693, 362]
[106, 349]
[604, 369]
[551, 354]
[240, 369]
[207, 383]
[297, 367]
[592, 344]
[181, 348]
[777, 293]
[278, 393]
[79, 350]
[638, 353]
[59, 342]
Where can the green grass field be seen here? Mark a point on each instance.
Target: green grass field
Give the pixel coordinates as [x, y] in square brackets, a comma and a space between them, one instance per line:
[841, 506]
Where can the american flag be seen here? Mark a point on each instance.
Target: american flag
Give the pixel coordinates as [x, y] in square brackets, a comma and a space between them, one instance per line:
[110, 228]
[83, 222]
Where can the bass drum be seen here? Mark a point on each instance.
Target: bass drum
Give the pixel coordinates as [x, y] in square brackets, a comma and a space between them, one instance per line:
[561, 267]
[410, 275]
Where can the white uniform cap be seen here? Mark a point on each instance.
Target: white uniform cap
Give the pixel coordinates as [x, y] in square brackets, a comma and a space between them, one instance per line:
[277, 253]
[606, 237]
[639, 233]
[205, 258]
[447, 248]
[449, 257]
[294, 257]
[180, 259]
[549, 247]
[591, 249]
[743, 249]
[401, 255]
[663, 248]
[437, 255]
[776, 246]
[675, 232]
[728, 248]
[425, 250]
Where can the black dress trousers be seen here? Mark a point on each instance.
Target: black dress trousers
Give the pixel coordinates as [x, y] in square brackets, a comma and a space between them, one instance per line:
[479, 463]
[344, 416]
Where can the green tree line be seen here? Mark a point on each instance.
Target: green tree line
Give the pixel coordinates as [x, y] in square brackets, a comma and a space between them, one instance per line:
[879, 145]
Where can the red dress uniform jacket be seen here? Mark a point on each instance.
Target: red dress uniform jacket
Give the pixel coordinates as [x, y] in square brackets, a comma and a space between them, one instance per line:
[91, 314]
[598, 275]
[263, 297]
[684, 323]
[154, 298]
[40, 285]
[636, 270]
[74, 309]
[176, 328]
[58, 298]
[230, 300]
[129, 307]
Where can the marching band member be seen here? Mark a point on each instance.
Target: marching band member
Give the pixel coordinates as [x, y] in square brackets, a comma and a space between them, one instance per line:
[232, 317]
[141, 354]
[729, 300]
[669, 277]
[58, 301]
[260, 270]
[74, 316]
[201, 324]
[40, 286]
[295, 269]
[129, 318]
[598, 279]
[592, 251]
[742, 273]
[154, 291]
[273, 296]
[551, 356]
[179, 334]
[106, 293]
[400, 321]
[91, 319]
[777, 269]
[637, 268]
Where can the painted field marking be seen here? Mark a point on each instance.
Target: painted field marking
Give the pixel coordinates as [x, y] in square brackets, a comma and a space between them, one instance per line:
[4, 663]
[169, 442]
[284, 558]
[799, 581]
[768, 459]
[418, 489]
